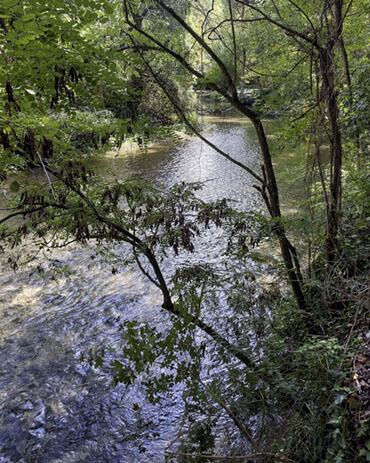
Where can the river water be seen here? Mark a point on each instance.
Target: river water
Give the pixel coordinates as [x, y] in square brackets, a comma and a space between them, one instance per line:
[54, 406]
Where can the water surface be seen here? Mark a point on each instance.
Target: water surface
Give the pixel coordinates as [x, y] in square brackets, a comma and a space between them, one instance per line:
[54, 406]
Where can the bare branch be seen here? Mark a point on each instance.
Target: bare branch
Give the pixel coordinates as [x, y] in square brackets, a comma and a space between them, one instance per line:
[47, 176]
[347, 11]
[139, 47]
[301, 116]
[241, 426]
[286, 73]
[175, 55]
[246, 20]
[206, 16]
[147, 274]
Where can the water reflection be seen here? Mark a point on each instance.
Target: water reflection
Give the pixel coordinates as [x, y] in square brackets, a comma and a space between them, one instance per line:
[194, 161]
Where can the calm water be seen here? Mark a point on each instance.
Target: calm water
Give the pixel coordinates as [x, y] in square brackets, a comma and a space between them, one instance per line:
[54, 406]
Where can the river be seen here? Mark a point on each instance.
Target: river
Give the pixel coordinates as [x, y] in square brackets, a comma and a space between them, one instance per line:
[54, 406]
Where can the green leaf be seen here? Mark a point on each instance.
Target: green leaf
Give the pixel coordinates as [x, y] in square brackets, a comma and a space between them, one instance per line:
[98, 362]
[22, 41]
[334, 420]
[14, 187]
[28, 17]
[18, 25]
[9, 3]
[108, 8]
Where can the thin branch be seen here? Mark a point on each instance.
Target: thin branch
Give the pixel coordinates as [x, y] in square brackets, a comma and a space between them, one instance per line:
[206, 16]
[305, 15]
[147, 274]
[351, 332]
[175, 55]
[168, 305]
[139, 47]
[57, 246]
[227, 20]
[300, 61]
[277, 11]
[301, 116]
[245, 431]
[345, 14]
[286, 28]
[232, 98]
[197, 133]
[203, 44]
[10, 216]
[47, 176]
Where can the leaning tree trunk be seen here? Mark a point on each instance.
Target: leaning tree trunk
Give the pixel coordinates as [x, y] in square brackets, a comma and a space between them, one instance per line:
[273, 204]
[272, 201]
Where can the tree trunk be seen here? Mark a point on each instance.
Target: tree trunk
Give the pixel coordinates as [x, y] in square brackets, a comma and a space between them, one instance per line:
[347, 73]
[336, 151]
[273, 206]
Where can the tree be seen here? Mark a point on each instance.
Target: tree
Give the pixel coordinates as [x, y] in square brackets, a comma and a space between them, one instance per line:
[267, 181]
[51, 92]
[316, 33]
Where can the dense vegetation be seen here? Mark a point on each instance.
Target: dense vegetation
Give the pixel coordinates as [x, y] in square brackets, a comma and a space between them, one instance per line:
[78, 78]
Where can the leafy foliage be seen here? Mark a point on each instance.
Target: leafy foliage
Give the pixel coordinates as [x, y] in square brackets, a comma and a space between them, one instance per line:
[79, 77]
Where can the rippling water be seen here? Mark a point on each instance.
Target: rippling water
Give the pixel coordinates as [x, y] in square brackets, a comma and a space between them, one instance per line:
[54, 406]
